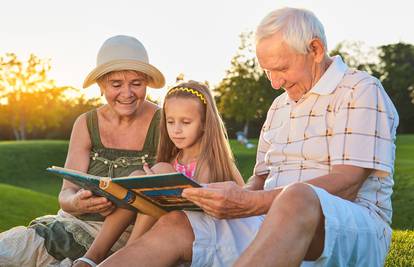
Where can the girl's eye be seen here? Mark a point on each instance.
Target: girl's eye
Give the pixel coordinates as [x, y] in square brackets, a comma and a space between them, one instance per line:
[186, 122]
[170, 122]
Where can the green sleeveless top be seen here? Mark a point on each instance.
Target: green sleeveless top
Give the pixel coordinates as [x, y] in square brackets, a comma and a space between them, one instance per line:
[113, 162]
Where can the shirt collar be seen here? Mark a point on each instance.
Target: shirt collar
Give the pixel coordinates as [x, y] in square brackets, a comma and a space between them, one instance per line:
[331, 78]
[328, 81]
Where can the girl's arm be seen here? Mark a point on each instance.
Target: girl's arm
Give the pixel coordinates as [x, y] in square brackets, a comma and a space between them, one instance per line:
[237, 177]
[113, 226]
[142, 224]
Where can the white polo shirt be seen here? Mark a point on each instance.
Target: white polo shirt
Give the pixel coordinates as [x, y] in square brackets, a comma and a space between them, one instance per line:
[346, 118]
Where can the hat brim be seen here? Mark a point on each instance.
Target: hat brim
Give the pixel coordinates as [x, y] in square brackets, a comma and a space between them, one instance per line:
[157, 78]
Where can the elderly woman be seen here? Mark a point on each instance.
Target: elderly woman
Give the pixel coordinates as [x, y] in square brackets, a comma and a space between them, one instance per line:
[113, 140]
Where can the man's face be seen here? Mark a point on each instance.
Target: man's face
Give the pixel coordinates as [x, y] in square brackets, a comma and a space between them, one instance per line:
[286, 68]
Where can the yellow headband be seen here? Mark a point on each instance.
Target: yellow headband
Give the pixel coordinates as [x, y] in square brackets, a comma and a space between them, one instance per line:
[189, 90]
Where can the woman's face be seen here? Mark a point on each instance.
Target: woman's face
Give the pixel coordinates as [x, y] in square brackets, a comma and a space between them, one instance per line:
[125, 91]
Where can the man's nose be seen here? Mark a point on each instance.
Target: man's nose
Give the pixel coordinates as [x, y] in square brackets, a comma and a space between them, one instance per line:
[276, 81]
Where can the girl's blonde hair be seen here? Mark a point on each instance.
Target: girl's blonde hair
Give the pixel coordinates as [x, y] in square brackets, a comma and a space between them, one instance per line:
[215, 151]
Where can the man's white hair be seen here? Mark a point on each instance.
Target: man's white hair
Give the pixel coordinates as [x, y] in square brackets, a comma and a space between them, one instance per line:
[297, 26]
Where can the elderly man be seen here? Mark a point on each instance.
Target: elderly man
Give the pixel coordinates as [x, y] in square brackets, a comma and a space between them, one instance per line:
[322, 184]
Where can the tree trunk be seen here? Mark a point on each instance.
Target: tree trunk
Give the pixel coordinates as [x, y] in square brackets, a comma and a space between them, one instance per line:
[246, 128]
[22, 130]
[16, 134]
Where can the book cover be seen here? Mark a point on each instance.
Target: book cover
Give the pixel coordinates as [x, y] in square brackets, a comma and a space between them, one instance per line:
[153, 194]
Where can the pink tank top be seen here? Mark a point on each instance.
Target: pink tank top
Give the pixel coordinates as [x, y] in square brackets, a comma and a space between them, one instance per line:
[187, 169]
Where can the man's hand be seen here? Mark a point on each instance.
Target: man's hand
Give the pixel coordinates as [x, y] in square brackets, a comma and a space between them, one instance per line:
[224, 200]
[85, 202]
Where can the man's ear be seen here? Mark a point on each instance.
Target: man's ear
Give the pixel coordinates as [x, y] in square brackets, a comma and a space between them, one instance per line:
[317, 49]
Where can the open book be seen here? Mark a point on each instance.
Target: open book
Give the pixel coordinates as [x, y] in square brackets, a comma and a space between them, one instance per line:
[154, 194]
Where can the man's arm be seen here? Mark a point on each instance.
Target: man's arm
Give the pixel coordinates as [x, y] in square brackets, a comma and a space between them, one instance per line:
[226, 200]
[256, 182]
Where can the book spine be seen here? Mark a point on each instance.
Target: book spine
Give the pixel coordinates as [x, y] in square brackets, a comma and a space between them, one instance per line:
[131, 198]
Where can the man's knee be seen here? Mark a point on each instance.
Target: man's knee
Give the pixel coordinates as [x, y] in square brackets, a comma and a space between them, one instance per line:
[303, 207]
[299, 198]
[177, 222]
[176, 225]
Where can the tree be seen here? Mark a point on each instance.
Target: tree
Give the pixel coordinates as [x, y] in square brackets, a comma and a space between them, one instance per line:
[28, 97]
[396, 69]
[244, 94]
[394, 65]
[357, 55]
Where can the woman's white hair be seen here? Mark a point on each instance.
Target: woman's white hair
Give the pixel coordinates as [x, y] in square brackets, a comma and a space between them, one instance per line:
[297, 26]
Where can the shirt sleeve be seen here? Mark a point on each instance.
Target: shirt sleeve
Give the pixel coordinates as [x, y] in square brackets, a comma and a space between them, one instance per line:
[364, 131]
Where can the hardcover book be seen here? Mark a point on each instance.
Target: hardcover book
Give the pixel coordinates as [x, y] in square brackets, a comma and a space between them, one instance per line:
[154, 194]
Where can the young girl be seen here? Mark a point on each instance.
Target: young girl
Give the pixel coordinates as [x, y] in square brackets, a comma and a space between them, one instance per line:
[193, 141]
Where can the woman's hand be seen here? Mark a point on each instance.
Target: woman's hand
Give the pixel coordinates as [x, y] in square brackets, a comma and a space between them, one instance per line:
[85, 202]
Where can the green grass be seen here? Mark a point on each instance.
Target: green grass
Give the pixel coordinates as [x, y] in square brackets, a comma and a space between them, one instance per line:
[27, 191]
[402, 249]
[23, 164]
[19, 206]
[403, 196]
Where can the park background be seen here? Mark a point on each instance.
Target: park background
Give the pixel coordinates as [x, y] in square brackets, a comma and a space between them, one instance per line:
[48, 48]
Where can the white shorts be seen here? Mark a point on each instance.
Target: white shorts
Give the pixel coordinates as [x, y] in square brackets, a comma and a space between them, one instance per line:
[354, 236]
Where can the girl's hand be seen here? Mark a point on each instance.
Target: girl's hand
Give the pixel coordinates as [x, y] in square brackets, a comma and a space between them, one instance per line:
[147, 169]
[85, 202]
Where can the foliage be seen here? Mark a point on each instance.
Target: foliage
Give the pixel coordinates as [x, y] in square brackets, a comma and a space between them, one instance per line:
[396, 68]
[357, 55]
[245, 93]
[30, 101]
[27, 94]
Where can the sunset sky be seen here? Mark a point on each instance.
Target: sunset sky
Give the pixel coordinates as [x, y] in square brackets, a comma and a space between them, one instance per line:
[195, 37]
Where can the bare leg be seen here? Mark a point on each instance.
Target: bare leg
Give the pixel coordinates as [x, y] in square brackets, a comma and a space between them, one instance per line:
[292, 231]
[169, 241]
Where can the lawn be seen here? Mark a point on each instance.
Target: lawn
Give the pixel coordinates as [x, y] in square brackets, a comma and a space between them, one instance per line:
[27, 191]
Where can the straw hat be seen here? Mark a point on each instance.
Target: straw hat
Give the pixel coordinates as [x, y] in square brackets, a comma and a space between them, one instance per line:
[124, 53]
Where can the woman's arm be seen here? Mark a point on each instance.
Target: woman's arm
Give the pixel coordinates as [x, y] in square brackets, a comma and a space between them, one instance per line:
[71, 198]
[113, 226]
